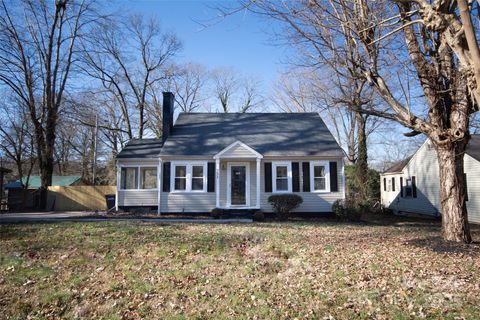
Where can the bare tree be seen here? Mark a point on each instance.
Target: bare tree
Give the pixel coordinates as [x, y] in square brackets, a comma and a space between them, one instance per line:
[128, 58]
[235, 92]
[189, 84]
[436, 39]
[37, 46]
[18, 144]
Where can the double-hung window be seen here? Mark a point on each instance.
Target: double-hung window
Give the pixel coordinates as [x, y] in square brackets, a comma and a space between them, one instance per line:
[319, 176]
[282, 176]
[189, 177]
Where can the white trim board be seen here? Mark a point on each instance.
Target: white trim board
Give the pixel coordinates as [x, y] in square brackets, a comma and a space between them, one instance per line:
[238, 143]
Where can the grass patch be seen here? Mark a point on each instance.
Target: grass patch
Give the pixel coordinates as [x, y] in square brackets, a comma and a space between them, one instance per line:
[115, 270]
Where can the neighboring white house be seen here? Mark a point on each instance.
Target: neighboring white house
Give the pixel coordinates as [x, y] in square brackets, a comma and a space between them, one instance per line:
[231, 161]
[413, 185]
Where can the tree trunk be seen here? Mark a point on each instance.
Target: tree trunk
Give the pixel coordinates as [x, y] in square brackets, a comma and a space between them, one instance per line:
[361, 167]
[452, 193]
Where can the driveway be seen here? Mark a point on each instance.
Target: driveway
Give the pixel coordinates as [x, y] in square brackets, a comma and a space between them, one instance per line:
[42, 216]
[85, 216]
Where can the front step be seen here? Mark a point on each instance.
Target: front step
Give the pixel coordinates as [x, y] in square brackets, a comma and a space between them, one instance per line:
[238, 213]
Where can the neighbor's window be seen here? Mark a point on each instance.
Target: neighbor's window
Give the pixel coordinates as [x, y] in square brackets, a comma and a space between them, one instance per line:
[282, 176]
[408, 188]
[319, 176]
[180, 178]
[148, 178]
[129, 178]
[189, 177]
[389, 185]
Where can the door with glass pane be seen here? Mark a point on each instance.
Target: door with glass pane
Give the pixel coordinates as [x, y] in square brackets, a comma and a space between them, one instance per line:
[238, 185]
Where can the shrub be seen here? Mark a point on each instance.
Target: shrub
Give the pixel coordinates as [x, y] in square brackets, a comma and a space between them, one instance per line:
[216, 213]
[347, 211]
[258, 216]
[283, 204]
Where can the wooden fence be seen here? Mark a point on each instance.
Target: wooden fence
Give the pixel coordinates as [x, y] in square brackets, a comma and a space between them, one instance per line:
[80, 198]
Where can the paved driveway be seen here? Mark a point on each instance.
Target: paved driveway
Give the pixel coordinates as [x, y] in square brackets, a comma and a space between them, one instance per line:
[82, 216]
[41, 216]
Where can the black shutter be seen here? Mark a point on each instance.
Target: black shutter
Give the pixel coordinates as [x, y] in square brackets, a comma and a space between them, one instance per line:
[414, 187]
[295, 177]
[306, 176]
[211, 177]
[333, 177]
[393, 183]
[465, 186]
[166, 177]
[401, 187]
[268, 177]
[384, 184]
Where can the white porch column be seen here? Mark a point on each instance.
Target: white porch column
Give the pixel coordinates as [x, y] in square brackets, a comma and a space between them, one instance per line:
[217, 182]
[159, 185]
[258, 183]
[119, 169]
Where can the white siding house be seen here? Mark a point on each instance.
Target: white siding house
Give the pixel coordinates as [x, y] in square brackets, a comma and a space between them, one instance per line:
[413, 185]
[232, 162]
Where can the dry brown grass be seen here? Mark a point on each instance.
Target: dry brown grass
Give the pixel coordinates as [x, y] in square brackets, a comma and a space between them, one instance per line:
[115, 270]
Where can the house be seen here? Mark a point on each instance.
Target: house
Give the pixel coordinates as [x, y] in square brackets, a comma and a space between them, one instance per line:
[413, 185]
[20, 199]
[231, 161]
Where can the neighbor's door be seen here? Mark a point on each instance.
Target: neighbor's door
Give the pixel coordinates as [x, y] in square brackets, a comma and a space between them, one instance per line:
[238, 185]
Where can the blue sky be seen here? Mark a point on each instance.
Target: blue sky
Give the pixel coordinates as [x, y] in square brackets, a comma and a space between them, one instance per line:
[242, 41]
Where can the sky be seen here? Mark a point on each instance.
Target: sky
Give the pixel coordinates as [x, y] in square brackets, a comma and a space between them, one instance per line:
[242, 41]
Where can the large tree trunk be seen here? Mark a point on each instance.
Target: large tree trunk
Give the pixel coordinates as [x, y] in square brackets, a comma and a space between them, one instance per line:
[361, 167]
[452, 193]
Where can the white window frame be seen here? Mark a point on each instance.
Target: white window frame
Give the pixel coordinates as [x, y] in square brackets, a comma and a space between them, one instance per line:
[188, 165]
[139, 176]
[325, 164]
[276, 164]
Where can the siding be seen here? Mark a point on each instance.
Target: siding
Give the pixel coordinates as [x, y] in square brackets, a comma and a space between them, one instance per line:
[238, 151]
[187, 202]
[424, 166]
[204, 202]
[137, 198]
[472, 168]
[312, 202]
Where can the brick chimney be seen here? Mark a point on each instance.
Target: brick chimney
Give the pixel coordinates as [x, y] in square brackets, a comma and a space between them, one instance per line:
[167, 115]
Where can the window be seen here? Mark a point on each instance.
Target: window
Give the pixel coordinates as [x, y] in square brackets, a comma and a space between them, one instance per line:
[282, 176]
[319, 176]
[180, 178]
[197, 178]
[148, 177]
[408, 188]
[189, 177]
[129, 178]
[389, 186]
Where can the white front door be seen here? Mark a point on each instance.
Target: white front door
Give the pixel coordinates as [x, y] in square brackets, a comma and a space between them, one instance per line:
[238, 184]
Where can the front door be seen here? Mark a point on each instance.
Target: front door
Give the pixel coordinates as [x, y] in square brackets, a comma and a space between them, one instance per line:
[238, 185]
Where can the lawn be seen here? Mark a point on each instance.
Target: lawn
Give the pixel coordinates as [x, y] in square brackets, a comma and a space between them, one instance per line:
[322, 269]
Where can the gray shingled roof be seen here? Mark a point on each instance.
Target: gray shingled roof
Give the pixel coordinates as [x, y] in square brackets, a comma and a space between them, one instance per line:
[141, 148]
[473, 147]
[398, 166]
[271, 134]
